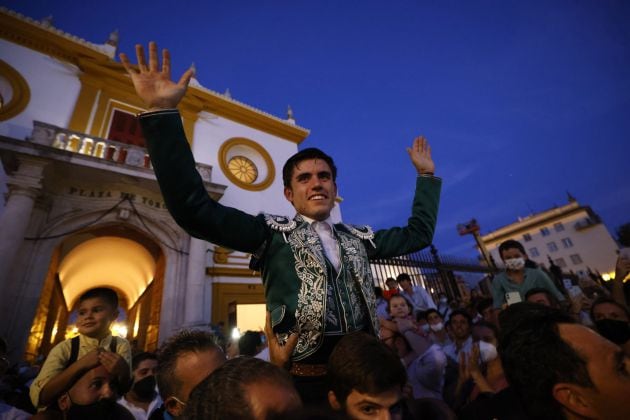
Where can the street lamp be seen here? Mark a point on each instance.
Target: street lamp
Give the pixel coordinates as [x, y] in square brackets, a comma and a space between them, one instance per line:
[472, 228]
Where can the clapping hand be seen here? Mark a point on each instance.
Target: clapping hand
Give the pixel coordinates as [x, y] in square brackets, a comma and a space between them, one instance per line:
[154, 85]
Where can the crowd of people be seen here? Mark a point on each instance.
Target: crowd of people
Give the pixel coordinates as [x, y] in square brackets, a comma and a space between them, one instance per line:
[335, 346]
[554, 355]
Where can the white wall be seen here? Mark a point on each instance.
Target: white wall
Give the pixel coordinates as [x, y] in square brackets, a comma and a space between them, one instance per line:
[211, 132]
[54, 89]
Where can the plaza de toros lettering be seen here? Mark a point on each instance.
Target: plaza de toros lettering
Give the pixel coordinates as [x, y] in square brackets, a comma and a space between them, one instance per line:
[81, 192]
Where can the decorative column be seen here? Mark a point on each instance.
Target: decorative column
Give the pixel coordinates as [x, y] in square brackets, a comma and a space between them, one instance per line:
[24, 187]
[195, 312]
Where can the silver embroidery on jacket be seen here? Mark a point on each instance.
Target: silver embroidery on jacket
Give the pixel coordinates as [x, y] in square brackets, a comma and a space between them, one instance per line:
[310, 268]
[359, 265]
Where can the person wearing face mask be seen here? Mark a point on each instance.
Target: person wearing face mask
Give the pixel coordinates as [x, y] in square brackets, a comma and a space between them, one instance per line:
[480, 371]
[424, 361]
[142, 399]
[443, 307]
[518, 278]
[436, 329]
[92, 397]
[612, 321]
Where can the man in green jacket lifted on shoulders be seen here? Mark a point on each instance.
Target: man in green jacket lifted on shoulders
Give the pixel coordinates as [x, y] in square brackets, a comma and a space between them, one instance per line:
[317, 278]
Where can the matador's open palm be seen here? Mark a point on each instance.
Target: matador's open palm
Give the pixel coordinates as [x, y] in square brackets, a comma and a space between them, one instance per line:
[154, 85]
[420, 154]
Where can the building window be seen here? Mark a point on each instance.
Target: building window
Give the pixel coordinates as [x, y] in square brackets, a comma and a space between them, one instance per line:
[125, 128]
[552, 247]
[567, 242]
[533, 252]
[558, 227]
[527, 237]
[575, 259]
[560, 262]
[243, 168]
[545, 231]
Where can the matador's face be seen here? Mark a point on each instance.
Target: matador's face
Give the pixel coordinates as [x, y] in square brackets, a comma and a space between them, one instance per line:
[312, 190]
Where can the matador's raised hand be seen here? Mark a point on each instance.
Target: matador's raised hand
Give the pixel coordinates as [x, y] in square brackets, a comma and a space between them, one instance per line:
[420, 154]
[154, 85]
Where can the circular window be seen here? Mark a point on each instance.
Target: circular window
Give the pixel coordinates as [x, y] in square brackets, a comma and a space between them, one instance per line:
[247, 164]
[243, 168]
[14, 91]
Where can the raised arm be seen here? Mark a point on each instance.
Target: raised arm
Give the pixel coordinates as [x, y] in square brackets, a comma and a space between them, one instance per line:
[418, 233]
[152, 83]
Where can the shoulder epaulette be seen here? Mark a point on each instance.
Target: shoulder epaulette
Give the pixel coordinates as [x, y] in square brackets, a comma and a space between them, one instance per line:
[280, 223]
[363, 232]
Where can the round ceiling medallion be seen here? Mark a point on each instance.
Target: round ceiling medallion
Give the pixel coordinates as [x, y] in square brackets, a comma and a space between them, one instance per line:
[246, 164]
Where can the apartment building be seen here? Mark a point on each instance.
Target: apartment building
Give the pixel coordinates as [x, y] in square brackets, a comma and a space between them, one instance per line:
[573, 236]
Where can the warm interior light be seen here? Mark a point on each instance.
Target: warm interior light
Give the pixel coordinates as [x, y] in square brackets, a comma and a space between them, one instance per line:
[251, 316]
[53, 334]
[236, 334]
[119, 329]
[71, 331]
[107, 261]
[136, 324]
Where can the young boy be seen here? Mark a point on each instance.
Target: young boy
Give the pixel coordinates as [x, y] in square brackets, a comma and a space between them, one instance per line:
[70, 359]
[392, 288]
[365, 379]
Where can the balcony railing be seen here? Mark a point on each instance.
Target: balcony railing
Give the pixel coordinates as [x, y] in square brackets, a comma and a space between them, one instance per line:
[72, 141]
[109, 150]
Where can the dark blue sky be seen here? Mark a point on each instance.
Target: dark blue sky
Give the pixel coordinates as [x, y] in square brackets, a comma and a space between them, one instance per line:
[522, 101]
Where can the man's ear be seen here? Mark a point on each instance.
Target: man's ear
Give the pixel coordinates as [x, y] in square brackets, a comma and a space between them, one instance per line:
[332, 400]
[573, 399]
[288, 194]
[174, 407]
[64, 402]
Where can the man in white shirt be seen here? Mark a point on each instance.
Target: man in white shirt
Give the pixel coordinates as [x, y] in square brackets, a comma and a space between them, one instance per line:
[460, 325]
[416, 295]
[142, 399]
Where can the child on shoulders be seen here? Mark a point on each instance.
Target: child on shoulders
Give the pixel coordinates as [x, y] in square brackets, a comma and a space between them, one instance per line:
[94, 346]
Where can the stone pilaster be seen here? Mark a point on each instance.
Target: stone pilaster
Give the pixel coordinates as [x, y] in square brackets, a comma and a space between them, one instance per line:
[196, 313]
[24, 187]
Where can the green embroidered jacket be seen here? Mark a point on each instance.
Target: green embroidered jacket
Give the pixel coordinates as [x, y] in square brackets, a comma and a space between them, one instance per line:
[287, 251]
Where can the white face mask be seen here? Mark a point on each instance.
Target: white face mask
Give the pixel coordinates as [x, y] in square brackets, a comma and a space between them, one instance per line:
[437, 327]
[487, 352]
[515, 263]
[443, 301]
